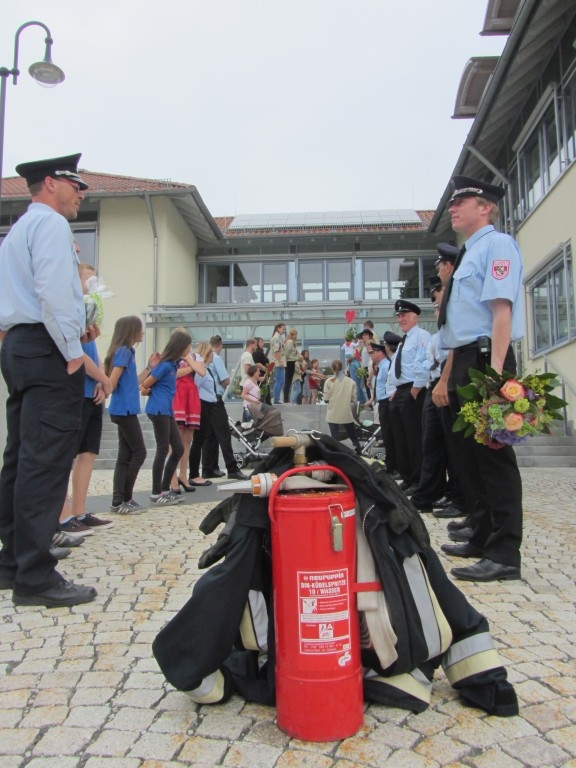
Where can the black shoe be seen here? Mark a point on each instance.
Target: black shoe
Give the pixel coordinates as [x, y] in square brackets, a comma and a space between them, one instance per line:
[441, 503]
[409, 490]
[214, 473]
[187, 488]
[457, 525]
[487, 570]
[424, 510]
[450, 511]
[237, 476]
[62, 594]
[461, 550]
[60, 552]
[464, 534]
[393, 475]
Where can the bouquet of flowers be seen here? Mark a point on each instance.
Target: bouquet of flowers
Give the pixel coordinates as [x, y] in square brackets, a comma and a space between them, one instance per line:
[501, 410]
[96, 291]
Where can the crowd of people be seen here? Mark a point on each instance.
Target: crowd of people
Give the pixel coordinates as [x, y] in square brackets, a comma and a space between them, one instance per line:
[57, 387]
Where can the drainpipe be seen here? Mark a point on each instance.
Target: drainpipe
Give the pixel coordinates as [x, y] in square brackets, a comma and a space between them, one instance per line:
[150, 210]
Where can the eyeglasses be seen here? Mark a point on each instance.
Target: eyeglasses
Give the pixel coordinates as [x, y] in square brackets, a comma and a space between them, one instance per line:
[72, 183]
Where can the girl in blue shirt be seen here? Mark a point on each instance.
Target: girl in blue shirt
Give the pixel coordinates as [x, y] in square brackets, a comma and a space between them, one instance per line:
[160, 386]
[120, 367]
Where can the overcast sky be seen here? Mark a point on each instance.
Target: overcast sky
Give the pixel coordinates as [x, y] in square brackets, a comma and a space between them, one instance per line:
[265, 106]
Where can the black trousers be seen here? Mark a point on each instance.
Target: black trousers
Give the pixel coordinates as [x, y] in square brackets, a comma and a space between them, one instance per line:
[131, 456]
[43, 418]
[290, 367]
[432, 482]
[214, 433]
[385, 420]
[494, 479]
[406, 412]
[167, 437]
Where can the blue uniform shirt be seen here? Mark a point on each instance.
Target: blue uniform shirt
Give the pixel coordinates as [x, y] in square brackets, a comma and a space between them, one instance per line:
[39, 278]
[162, 393]
[491, 268]
[125, 400]
[413, 359]
[206, 386]
[383, 368]
[219, 372]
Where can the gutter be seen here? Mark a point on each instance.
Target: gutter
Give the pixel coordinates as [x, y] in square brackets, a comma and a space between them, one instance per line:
[150, 210]
[514, 38]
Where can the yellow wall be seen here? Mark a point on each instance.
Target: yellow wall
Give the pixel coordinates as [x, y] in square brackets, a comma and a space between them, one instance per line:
[126, 260]
[551, 223]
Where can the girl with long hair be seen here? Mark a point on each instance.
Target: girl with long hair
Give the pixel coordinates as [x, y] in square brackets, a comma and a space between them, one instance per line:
[120, 367]
[160, 387]
[186, 412]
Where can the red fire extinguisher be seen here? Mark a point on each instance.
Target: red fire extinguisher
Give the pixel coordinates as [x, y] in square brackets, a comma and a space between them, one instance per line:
[318, 667]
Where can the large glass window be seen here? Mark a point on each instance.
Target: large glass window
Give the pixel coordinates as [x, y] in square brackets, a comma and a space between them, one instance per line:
[246, 287]
[275, 282]
[243, 283]
[311, 281]
[376, 280]
[552, 295]
[339, 280]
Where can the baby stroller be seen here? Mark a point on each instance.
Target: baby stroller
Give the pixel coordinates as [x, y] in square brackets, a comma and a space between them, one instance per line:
[369, 434]
[266, 422]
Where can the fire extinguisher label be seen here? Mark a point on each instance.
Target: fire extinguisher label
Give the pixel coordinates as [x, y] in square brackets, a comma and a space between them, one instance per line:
[324, 602]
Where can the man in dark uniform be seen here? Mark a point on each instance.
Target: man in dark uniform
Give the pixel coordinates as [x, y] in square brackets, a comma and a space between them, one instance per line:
[42, 323]
[481, 314]
[381, 355]
[410, 377]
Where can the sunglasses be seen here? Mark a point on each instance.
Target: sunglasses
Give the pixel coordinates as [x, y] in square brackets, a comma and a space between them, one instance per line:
[72, 183]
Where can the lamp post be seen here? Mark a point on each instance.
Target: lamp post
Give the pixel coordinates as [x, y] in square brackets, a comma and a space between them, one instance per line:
[44, 72]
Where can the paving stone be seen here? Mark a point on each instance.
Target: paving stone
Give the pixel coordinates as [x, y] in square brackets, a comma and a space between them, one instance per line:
[88, 717]
[535, 752]
[112, 743]
[158, 746]
[63, 741]
[494, 758]
[198, 749]
[246, 755]
[39, 717]
[222, 725]
[131, 719]
[363, 750]
[113, 762]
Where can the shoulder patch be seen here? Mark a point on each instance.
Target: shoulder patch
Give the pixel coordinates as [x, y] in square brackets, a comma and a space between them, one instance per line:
[500, 269]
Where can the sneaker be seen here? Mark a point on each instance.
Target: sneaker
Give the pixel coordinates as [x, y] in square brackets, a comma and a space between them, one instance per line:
[74, 527]
[60, 552]
[125, 508]
[95, 522]
[163, 499]
[61, 539]
[136, 507]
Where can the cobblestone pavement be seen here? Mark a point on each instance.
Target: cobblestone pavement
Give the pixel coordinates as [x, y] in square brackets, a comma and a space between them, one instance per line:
[80, 688]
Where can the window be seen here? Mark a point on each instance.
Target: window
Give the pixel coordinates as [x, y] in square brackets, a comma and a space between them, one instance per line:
[551, 291]
[243, 283]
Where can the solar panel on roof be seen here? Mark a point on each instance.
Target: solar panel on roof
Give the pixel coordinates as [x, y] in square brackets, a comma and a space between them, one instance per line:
[328, 219]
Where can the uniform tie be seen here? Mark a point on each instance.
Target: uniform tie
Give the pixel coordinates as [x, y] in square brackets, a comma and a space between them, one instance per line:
[398, 360]
[448, 290]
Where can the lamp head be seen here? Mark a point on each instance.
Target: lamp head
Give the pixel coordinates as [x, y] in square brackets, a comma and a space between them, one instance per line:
[46, 73]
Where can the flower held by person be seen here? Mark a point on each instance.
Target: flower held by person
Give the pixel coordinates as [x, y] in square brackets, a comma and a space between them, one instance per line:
[500, 410]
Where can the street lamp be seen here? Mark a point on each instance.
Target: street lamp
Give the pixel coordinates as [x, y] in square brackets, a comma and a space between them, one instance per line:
[44, 72]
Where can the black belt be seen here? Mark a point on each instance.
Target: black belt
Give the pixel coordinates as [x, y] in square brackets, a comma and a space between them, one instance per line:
[466, 348]
[404, 386]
